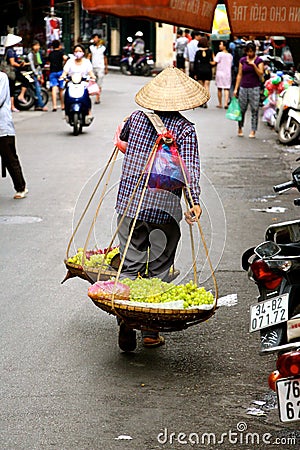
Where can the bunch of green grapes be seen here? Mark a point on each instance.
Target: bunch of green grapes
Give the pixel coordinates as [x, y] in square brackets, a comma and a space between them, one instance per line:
[189, 293]
[94, 258]
[111, 254]
[76, 259]
[154, 290]
[146, 289]
[95, 261]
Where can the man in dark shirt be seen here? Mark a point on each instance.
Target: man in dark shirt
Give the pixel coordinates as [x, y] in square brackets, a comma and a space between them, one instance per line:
[57, 58]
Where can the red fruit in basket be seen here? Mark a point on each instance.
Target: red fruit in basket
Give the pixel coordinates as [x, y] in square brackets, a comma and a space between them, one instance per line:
[105, 289]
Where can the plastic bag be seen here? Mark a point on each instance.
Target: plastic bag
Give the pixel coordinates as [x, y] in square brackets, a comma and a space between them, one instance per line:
[122, 145]
[93, 88]
[167, 170]
[105, 289]
[234, 110]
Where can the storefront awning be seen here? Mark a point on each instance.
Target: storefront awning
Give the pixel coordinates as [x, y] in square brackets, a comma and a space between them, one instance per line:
[267, 17]
[195, 14]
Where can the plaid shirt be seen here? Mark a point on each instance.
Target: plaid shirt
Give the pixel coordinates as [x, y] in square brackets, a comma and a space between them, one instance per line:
[157, 206]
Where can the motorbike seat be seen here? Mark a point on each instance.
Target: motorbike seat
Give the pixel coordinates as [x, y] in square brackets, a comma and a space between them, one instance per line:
[290, 249]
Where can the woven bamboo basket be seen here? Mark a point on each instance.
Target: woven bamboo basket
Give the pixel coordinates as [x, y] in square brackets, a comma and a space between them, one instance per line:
[89, 274]
[155, 319]
[139, 317]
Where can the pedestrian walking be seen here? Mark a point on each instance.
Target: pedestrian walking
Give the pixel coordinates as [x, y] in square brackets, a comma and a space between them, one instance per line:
[157, 230]
[204, 61]
[180, 48]
[223, 59]
[247, 87]
[35, 61]
[191, 49]
[57, 59]
[9, 157]
[98, 57]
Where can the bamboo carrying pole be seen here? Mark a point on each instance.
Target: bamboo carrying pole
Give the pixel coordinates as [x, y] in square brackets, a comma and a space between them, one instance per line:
[146, 171]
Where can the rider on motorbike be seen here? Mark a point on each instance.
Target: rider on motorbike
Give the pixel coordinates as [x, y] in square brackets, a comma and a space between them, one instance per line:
[12, 58]
[127, 49]
[79, 65]
[138, 47]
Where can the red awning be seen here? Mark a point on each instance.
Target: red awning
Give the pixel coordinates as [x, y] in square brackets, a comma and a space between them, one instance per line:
[266, 17]
[196, 14]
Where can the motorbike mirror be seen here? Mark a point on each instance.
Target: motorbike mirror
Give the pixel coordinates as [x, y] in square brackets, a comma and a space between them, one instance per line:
[267, 249]
[76, 78]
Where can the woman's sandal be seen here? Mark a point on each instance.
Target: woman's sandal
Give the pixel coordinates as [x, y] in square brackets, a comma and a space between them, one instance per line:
[151, 342]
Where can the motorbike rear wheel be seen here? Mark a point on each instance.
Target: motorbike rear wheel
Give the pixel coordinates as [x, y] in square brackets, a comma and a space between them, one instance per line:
[45, 96]
[77, 126]
[125, 69]
[29, 100]
[146, 70]
[290, 134]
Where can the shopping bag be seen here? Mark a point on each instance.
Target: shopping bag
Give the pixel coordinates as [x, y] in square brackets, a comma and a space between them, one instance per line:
[93, 88]
[234, 110]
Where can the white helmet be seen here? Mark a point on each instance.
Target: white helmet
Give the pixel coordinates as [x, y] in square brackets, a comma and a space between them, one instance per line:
[129, 39]
[139, 34]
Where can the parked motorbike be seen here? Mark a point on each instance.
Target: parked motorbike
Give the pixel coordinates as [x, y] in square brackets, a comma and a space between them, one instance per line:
[287, 123]
[273, 64]
[30, 94]
[274, 265]
[77, 103]
[143, 66]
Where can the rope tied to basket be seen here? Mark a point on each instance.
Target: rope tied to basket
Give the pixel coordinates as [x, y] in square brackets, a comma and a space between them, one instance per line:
[144, 176]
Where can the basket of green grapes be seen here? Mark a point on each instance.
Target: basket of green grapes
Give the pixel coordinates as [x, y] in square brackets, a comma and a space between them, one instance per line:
[92, 265]
[154, 304]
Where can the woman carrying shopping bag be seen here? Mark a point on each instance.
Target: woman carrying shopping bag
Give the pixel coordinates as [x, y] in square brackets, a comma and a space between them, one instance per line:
[251, 69]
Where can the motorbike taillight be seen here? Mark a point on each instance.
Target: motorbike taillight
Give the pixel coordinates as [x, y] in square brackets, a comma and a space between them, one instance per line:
[273, 377]
[262, 273]
[288, 364]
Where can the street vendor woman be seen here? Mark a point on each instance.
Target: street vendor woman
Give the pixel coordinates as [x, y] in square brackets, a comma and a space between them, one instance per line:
[156, 233]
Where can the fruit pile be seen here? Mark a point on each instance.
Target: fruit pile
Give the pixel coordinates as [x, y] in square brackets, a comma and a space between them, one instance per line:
[94, 258]
[154, 290]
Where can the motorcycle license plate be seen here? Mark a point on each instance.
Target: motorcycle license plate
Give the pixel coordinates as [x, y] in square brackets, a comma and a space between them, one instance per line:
[288, 394]
[150, 62]
[268, 313]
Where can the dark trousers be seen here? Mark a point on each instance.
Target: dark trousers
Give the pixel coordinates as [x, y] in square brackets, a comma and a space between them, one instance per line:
[152, 245]
[10, 161]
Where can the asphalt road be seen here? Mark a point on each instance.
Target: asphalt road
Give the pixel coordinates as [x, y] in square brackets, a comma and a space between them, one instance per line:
[64, 382]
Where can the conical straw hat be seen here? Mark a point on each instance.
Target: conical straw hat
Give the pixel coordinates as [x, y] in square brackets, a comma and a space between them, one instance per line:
[172, 90]
[12, 39]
